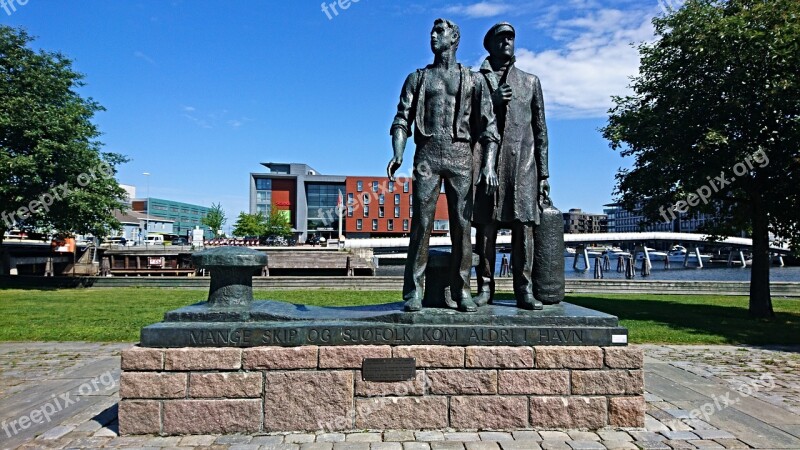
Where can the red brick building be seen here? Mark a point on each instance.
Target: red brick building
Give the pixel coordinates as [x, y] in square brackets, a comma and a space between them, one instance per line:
[376, 207]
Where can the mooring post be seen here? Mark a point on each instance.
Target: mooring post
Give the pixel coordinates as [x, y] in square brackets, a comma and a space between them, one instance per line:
[630, 268]
[699, 259]
[581, 250]
[649, 265]
[598, 268]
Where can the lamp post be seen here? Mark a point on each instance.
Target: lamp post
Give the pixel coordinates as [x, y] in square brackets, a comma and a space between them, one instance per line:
[147, 220]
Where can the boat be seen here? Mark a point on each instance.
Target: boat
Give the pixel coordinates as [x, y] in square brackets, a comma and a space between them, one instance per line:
[678, 255]
[592, 251]
[615, 252]
[654, 255]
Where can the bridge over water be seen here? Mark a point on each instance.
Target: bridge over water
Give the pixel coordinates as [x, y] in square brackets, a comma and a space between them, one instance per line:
[576, 239]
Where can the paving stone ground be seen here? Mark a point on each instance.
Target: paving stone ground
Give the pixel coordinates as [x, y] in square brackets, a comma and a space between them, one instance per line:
[698, 397]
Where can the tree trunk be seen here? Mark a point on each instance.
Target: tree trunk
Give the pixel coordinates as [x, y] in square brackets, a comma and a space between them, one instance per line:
[760, 299]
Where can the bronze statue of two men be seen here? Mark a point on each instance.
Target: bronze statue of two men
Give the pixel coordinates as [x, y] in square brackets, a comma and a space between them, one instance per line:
[484, 136]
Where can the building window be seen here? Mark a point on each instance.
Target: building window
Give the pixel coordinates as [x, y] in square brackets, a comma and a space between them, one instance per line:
[261, 197]
[390, 224]
[410, 200]
[405, 224]
[374, 224]
[380, 211]
[264, 184]
[405, 186]
[397, 211]
[381, 199]
[359, 185]
[396, 199]
[358, 224]
[374, 186]
[441, 225]
[366, 211]
[350, 199]
[350, 210]
[321, 201]
[391, 186]
[261, 209]
[366, 199]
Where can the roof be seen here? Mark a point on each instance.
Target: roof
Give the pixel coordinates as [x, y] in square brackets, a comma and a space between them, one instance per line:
[133, 217]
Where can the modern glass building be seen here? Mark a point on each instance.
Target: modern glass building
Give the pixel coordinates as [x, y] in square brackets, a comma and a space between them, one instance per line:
[308, 198]
[185, 216]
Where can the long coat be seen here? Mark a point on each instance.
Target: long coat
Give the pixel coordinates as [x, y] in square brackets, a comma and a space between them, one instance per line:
[522, 156]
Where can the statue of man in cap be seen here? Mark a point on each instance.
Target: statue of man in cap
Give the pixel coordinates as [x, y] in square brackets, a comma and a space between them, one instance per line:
[518, 168]
[449, 110]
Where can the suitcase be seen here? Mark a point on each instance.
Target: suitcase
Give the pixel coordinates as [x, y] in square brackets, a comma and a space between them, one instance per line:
[548, 261]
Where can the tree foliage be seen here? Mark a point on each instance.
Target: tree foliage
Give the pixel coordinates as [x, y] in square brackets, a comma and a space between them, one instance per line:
[718, 95]
[53, 175]
[215, 218]
[250, 225]
[278, 223]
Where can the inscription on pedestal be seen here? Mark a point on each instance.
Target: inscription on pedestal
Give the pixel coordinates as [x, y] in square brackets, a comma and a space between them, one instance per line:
[268, 323]
[370, 335]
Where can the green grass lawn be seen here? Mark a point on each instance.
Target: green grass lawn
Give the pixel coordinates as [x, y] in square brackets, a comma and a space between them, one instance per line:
[116, 315]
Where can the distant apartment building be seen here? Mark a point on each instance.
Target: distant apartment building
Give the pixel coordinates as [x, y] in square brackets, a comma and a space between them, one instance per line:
[621, 220]
[577, 221]
[184, 216]
[372, 206]
[377, 207]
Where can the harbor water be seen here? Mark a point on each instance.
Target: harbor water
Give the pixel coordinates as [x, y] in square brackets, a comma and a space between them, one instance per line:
[676, 273]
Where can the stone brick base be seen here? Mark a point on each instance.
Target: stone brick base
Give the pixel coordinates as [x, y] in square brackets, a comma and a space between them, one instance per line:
[266, 389]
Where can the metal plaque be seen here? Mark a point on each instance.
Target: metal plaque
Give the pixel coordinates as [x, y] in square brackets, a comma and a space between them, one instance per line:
[388, 369]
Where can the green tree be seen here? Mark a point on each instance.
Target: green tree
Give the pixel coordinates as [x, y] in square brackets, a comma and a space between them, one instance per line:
[250, 225]
[278, 223]
[53, 175]
[716, 104]
[215, 219]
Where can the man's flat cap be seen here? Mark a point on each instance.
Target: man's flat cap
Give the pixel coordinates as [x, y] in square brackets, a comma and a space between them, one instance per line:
[502, 27]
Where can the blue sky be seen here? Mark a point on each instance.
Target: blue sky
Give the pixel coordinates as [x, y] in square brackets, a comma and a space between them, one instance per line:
[198, 93]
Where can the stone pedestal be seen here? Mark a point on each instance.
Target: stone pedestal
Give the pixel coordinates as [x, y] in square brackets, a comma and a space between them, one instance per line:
[234, 365]
[314, 388]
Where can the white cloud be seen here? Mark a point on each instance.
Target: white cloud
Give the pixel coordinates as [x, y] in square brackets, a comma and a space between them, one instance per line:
[479, 10]
[595, 61]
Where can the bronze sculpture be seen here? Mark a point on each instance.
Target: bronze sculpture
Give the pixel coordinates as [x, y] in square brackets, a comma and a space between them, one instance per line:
[521, 169]
[450, 110]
